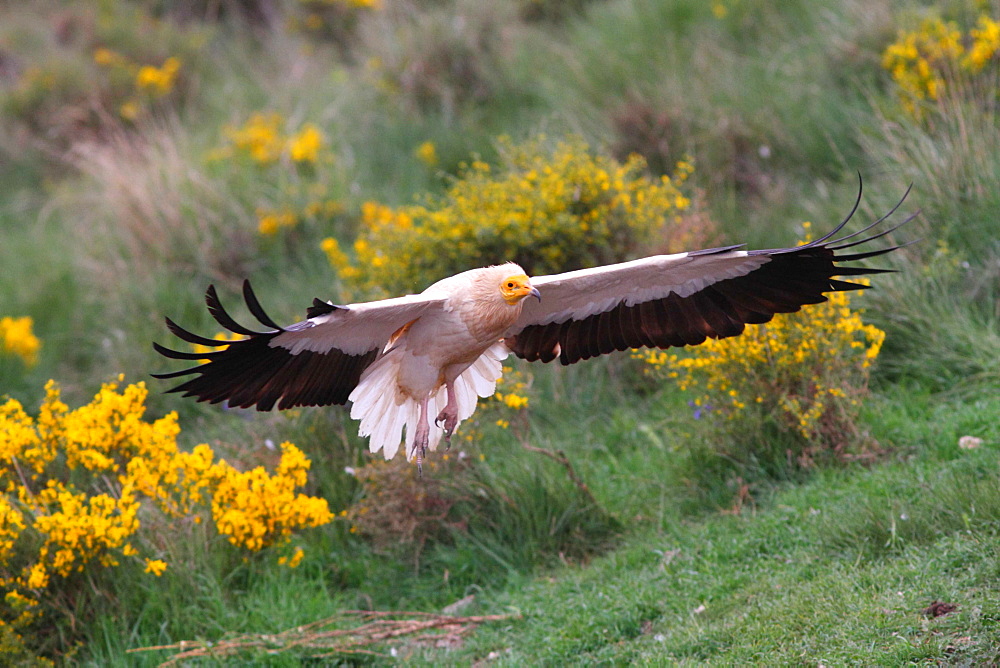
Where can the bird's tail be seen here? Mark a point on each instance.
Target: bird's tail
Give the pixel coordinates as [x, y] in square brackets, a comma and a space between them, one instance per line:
[384, 410]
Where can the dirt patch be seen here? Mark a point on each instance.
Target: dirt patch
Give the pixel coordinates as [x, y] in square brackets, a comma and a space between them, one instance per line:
[939, 608]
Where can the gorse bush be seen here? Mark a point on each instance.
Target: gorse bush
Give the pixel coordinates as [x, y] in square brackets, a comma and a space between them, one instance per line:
[549, 207]
[799, 377]
[939, 59]
[142, 85]
[80, 486]
[297, 160]
[93, 67]
[262, 139]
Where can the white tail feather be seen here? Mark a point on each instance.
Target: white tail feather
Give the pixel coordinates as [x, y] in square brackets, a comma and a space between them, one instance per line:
[383, 409]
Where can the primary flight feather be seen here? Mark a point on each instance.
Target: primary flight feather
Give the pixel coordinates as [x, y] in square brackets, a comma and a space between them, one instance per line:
[402, 361]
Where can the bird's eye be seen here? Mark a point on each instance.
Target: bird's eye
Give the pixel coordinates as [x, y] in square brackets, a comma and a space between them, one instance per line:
[510, 285]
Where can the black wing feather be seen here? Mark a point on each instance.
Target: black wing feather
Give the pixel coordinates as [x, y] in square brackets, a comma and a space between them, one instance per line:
[252, 372]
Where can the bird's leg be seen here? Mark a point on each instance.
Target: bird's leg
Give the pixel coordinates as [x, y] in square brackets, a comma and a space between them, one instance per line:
[422, 437]
[449, 416]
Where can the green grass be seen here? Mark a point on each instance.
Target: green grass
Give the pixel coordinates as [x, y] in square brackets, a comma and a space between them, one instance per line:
[827, 566]
[833, 571]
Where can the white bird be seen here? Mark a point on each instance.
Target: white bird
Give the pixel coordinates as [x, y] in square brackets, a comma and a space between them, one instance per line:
[398, 361]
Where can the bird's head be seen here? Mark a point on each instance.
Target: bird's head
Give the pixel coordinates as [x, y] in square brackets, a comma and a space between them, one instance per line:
[516, 287]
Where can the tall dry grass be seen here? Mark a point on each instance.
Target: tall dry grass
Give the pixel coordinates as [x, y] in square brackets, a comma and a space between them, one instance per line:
[148, 207]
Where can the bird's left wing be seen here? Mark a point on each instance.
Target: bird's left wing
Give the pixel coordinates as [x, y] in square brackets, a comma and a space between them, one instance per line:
[681, 299]
[315, 362]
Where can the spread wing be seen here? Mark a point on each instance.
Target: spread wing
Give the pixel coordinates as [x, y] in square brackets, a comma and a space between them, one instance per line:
[315, 362]
[682, 299]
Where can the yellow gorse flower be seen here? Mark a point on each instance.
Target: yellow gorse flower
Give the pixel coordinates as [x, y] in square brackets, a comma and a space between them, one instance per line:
[427, 153]
[927, 61]
[118, 464]
[218, 336]
[270, 222]
[148, 82]
[985, 44]
[305, 146]
[155, 566]
[294, 560]
[16, 338]
[547, 207]
[107, 58]
[256, 510]
[158, 81]
[260, 137]
[799, 367]
[263, 139]
[348, 4]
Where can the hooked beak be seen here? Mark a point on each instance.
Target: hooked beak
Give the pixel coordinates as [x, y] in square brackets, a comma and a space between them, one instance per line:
[536, 294]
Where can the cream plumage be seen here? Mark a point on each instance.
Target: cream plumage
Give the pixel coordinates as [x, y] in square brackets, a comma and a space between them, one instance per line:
[402, 361]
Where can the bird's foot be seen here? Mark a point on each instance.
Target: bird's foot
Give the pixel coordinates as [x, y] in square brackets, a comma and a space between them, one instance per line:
[447, 420]
[420, 450]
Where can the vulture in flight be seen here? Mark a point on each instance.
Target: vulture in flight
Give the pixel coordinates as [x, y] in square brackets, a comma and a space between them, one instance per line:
[422, 361]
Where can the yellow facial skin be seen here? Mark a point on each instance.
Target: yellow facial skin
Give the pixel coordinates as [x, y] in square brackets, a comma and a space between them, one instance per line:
[515, 288]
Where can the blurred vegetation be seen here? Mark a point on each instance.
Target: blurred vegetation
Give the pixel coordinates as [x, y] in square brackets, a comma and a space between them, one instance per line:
[548, 209]
[330, 148]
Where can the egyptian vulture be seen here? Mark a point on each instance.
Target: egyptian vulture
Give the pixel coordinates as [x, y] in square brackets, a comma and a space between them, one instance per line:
[400, 361]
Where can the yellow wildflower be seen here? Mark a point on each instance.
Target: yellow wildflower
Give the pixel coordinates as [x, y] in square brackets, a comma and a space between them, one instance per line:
[256, 510]
[260, 137]
[121, 462]
[158, 81]
[218, 336]
[37, 577]
[106, 57]
[427, 153]
[155, 566]
[292, 561]
[306, 145]
[512, 400]
[551, 208]
[927, 61]
[985, 44]
[17, 338]
[270, 222]
[801, 366]
[11, 525]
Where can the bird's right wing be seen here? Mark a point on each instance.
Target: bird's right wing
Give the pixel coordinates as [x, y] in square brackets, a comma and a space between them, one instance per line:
[315, 362]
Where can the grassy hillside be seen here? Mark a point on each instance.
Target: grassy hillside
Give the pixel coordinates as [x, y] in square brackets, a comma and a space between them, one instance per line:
[807, 512]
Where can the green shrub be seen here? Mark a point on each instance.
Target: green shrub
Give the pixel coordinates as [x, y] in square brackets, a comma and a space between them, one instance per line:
[549, 207]
[783, 394]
